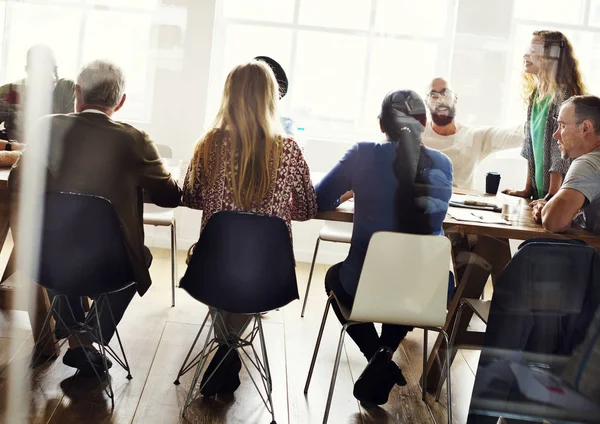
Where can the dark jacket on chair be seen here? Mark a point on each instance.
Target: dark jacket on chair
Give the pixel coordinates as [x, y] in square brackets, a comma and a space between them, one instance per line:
[91, 153]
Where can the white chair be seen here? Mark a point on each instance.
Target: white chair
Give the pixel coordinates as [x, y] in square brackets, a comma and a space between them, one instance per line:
[481, 308]
[404, 281]
[163, 217]
[336, 232]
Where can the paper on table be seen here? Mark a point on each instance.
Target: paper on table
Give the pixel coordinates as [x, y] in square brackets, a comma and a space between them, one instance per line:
[484, 217]
[461, 198]
[542, 386]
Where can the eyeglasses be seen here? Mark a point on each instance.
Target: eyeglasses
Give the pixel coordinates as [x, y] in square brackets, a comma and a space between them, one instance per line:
[445, 96]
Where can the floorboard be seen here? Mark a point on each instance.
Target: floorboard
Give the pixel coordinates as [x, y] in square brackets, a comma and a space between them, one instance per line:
[141, 330]
[301, 335]
[156, 338]
[163, 401]
[462, 378]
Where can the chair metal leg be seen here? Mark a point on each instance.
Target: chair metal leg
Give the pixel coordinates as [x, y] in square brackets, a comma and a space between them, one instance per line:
[450, 346]
[190, 396]
[110, 393]
[448, 381]
[248, 355]
[175, 248]
[338, 357]
[263, 348]
[424, 376]
[126, 363]
[38, 348]
[318, 344]
[173, 262]
[447, 364]
[182, 370]
[310, 274]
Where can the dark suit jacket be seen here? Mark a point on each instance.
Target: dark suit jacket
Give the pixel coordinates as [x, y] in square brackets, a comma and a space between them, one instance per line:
[63, 101]
[90, 153]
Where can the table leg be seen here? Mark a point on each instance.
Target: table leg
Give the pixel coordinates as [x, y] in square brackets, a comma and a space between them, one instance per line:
[496, 253]
[10, 267]
[41, 304]
[37, 317]
[5, 226]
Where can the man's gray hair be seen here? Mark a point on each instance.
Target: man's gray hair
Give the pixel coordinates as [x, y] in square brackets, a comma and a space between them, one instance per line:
[586, 108]
[101, 83]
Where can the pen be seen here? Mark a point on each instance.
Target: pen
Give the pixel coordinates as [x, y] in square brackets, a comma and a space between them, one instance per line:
[477, 216]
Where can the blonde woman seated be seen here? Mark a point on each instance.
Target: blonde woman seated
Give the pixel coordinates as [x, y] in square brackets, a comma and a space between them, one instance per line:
[245, 163]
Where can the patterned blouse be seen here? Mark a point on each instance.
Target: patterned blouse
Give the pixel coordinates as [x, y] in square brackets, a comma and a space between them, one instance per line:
[291, 195]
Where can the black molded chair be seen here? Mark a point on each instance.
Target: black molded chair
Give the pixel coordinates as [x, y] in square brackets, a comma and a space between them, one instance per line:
[542, 307]
[243, 263]
[83, 254]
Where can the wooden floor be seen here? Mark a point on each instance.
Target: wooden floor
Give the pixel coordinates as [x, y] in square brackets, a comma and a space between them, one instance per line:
[156, 338]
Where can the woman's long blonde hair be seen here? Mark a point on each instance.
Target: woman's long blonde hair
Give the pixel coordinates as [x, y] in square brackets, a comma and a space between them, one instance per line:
[248, 118]
[558, 77]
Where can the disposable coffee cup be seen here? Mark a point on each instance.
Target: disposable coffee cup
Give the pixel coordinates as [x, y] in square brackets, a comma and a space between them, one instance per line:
[492, 181]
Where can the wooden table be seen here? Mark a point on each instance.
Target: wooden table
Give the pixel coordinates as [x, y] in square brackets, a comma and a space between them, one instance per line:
[524, 228]
[494, 247]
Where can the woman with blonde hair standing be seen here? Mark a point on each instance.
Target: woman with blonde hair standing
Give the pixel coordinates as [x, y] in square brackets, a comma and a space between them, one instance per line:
[551, 75]
[245, 163]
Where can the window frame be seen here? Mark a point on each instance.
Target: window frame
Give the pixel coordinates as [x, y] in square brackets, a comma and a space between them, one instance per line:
[516, 22]
[222, 23]
[87, 7]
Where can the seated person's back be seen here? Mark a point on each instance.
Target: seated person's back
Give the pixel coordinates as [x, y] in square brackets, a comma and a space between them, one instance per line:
[377, 174]
[90, 153]
[244, 163]
[399, 185]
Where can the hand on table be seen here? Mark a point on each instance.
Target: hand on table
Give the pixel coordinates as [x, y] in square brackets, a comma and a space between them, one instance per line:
[533, 203]
[346, 196]
[517, 193]
[537, 210]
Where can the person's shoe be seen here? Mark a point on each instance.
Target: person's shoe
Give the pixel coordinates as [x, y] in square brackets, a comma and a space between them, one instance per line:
[218, 380]
[396, 374]
[233, 376]
[80, 358]
[378, 378]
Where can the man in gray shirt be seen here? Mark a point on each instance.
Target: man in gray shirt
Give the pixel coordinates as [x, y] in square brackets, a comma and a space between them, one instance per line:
[578, 199]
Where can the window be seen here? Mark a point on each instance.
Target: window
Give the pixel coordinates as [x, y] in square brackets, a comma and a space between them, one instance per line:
[572, 22]
[327, 93]
[336, 14]
[28, 24]
[262, 10]
[595, 13]
[134, 56]
[550, 11]
[341, 57]
[80, 31]
[425, 18]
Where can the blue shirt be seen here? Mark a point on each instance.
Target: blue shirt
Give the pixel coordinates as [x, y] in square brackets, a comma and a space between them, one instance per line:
[368, 170]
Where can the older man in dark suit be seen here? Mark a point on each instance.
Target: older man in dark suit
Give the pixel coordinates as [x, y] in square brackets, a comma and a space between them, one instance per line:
[91, 153]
